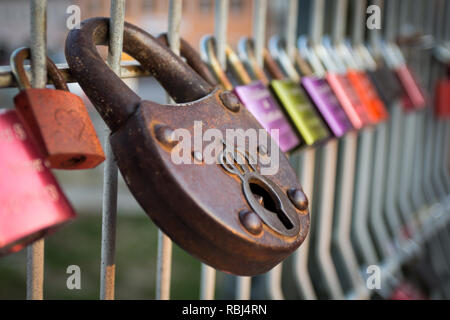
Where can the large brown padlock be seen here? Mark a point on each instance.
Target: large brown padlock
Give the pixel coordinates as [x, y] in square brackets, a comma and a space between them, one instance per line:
[230, 213]
[57, 119]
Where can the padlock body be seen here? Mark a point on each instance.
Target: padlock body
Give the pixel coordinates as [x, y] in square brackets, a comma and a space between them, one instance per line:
[32, 203]
[259, 101]
[442, 102]
[303, 115]
[198, 204]
[327, 104]
[414, 97]
[369, 97]
[387, 84]
[349, 100]
[60, 124]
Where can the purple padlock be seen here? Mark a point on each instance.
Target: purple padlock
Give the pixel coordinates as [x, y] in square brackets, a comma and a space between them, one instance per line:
[326, 102]
[259, 101]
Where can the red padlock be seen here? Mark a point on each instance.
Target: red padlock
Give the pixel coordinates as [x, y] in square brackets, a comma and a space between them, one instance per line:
[57, 119]
[349, 99]
[369, 97]
[414, 98]
[32, 205]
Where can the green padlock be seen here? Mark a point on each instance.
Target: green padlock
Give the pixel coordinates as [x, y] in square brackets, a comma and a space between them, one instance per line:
[299, 109]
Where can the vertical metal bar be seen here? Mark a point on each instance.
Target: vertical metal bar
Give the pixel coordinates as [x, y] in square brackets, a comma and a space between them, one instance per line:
[339, 21]
[317, 18]
[391, 20]
[300, 265]
[259, 29]
[274, 290]
[440, 194]
[343, 210]
[379, 177]
[273, 284]
[325, 199]
[374, 35]
[358, 22]
[324, 214]
[438, 178]
[291, 28]
[445, 169]
[220, 29]
[110, 175]
[345, 181]
[35, 252]
[173, 35]
[429, 130]
[406, 170]
[243, 287]
[208, 274]
[417, 198]
[164, 259]
[395, 127]
[207, 282]
[361, 197]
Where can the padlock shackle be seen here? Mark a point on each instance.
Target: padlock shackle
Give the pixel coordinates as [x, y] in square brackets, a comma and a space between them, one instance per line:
[114, 100]
[17, 67]
[278, 52]
[247, 55]
[192, 57]
[307, 52]
[207, 50]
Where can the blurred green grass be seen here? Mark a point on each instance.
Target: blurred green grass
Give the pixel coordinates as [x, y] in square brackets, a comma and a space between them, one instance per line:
[79, 244]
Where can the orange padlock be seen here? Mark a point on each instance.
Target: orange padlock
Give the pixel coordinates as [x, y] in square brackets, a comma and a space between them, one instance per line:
[369, 97]
[57, 119]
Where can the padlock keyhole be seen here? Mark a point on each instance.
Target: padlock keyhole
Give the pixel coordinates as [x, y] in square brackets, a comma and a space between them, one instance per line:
[270, 204]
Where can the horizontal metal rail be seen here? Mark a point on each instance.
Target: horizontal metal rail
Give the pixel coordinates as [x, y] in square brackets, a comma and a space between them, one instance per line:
[128, 69]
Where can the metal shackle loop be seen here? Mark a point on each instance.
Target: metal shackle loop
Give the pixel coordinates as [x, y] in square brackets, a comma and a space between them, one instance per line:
[17, 67]
[208, 51]
[192, 57]
[277, 47]
[114, 100]
[246, 53]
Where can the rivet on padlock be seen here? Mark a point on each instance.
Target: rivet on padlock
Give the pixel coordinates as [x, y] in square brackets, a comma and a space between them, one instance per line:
[32, 203]
[198, 206]
[57, 119]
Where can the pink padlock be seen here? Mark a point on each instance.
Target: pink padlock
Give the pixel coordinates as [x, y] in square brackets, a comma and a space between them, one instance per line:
[32, 205]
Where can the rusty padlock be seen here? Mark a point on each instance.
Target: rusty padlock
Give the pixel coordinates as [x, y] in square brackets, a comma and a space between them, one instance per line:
[226, 212]
[32, 203]
[57, 119]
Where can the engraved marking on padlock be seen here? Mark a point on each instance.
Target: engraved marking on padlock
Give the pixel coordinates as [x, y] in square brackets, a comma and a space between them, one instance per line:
[276, 211]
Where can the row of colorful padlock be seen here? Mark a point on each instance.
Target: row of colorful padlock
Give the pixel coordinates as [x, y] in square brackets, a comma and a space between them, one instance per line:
[325, 92]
